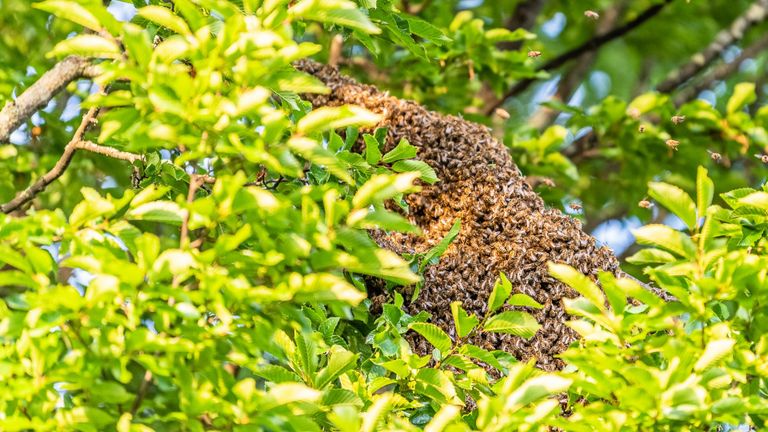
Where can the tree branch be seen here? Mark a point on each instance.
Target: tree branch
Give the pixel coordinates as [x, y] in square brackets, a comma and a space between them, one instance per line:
[756, 13]
[61, 165]
[41, 92]
[721, 72]
[524, 17]
[586, 47]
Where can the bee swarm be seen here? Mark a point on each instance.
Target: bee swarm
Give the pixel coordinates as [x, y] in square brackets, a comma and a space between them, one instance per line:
[505, 224]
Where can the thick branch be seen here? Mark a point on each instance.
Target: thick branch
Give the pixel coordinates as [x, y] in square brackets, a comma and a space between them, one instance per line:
[722, 71]
[580, 50]
[41, 92]
[756, 13]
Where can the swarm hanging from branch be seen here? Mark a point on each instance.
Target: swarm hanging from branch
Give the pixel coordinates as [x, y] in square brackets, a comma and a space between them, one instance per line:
[505, 225]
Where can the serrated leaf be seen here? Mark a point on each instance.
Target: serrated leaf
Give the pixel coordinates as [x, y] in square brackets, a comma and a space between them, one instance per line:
[71, 11]
[535, 389]
[426, 30]
[675, 200]
[743, 94]
[339, 361]
[382, 187]
[372, 151]
[513, 322]
[276, 374]
[464, 322]
[705, 191]
[480, 354]
[404, 150]
[576, 280]
[340, 12]
[651, 256]
[86, 45]
[157, 211]
[756, 199]
[312, 151]
[165, 17]
[714, 352]
[520, 299]
[426, 173]
[332, 118]
[439, 249]
[500, 293]
[666, 238]
[434, 335]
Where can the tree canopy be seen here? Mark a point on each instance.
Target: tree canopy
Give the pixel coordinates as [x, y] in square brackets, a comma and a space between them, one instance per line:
[208, 221]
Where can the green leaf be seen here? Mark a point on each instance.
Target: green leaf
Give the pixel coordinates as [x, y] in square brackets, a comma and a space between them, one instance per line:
[340, 12]
[332, 118]
[71, 11]
[372, 151]
[520, 299]
[88, 46]
[576, 280]
[705, 191]
[434, 335]
[426, 30]
[743, 94]
[756, 199]
[651, 256]
[676, 200]
[665, 238]
[536, 389]
[439, 249]
[314, 152]
[339, 361]
[480, 354]
[464, 322]
[436, 385]
[165, 17]
[513, 322]
[426, 173]
[157, 211]
[382, 187]
[276, 374]
[500, 293]
[404, 150]
[714, 352]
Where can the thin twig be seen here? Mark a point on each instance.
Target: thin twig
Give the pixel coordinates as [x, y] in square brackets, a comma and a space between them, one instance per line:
[195, 181]
[42, 91]
[586, 47]
[722, 71]
[334, 54]
[75, 144]
[143, 388]
[755, 14]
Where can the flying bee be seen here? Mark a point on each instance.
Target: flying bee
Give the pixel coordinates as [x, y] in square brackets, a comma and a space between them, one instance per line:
[534, 54]
[546, 181]
[501, 113]
[641, 128]
[644, 203]
[672, 144]
[717, 157]
[592, 15]
[763, 158]
[575, 206]
[677, 119]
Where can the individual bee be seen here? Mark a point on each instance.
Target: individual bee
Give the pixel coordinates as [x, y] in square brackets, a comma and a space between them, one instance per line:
[575, 206]
[534, 54]
[592, 15]
[644, 203]
[677, 119]
[641, 128]
[672, 144]
[717, 157]
[763, 158]
[501, 113]
[546, 181]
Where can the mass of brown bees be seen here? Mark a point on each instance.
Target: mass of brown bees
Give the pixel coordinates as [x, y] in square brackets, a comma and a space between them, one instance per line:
[505, 224]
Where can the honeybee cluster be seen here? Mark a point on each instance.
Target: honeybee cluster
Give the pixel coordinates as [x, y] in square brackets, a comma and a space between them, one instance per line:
[505, 224]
